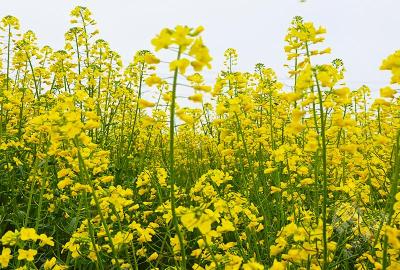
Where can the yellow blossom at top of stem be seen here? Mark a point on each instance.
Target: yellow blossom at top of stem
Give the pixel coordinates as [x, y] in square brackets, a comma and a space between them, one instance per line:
[182, 36]
[10, 21]
[301, 33]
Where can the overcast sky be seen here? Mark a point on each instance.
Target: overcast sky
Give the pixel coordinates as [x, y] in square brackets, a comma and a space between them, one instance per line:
[360, 32]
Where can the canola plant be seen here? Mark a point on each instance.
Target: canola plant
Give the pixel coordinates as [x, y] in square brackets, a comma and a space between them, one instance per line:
[257, 175]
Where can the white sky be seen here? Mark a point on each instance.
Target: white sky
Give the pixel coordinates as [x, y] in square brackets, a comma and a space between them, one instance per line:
[360, 32]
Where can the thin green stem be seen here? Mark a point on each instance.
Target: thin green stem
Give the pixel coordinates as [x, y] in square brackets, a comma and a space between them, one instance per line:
[171, 164]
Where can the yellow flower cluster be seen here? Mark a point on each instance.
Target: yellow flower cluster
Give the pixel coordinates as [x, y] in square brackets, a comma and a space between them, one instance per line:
[127, 167]
[22, 238]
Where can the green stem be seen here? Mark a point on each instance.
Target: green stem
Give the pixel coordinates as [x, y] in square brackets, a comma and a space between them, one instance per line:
[171, 164]
[324, 176]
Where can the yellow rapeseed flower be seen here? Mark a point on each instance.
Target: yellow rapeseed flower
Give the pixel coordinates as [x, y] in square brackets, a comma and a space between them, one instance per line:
[28, 234]
[5, 257]
[28, 255]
